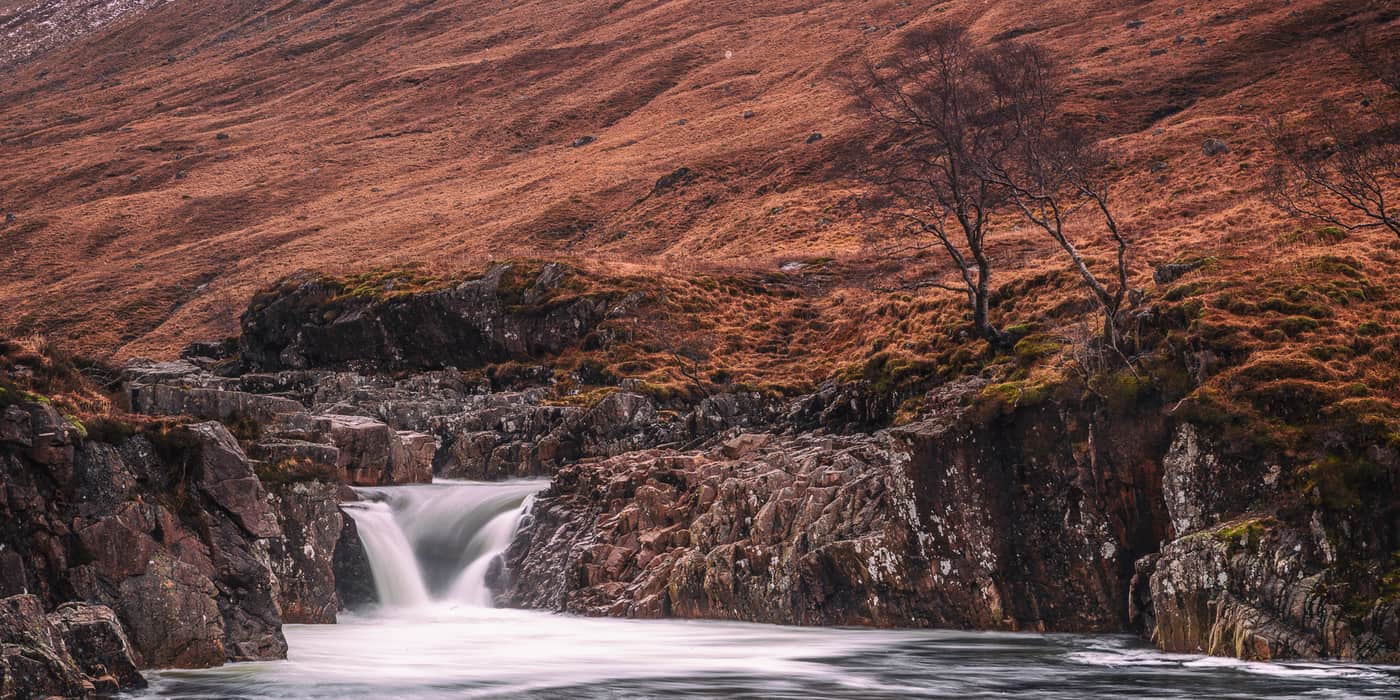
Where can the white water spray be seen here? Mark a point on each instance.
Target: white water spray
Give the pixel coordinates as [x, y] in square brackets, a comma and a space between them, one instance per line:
[438, 541]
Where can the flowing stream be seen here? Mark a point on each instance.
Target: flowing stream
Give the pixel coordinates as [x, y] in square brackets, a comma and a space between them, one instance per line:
[435, 635]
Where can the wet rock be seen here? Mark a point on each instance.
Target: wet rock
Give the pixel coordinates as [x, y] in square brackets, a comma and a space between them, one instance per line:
[171, 536]
[354, 581]
[34, 662]
[303, 560]
[807, 530]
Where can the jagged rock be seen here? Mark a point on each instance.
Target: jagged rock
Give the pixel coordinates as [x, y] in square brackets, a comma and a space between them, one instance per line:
[34, 662]
[227, 476]
[1200, 488]
[79, 650]
[809, 531]
[1214, 147]
[15, 426]
[303, 559]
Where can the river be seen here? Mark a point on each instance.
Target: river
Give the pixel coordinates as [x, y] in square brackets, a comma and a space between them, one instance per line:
[436, 636]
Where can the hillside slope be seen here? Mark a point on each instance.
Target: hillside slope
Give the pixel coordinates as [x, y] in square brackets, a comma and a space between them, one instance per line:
[161, 169]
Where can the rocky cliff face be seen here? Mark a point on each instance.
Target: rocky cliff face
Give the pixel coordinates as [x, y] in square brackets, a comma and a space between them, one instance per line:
[946, 522]
[170, 530]
[1059, 516]
[1257, 575]
[797, 530]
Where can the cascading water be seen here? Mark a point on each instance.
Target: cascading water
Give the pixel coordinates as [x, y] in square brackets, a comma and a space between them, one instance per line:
[436, 542]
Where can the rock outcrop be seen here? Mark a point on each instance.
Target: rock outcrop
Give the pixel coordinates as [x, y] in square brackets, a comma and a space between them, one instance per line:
[1031, 522]
[1052, 516]
[509, 312]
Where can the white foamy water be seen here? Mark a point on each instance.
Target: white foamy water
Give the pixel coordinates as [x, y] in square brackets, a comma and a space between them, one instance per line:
[438, 637]
[438, 541]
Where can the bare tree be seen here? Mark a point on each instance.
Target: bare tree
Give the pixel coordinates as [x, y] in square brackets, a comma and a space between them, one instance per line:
[1341, 165]
[1052, 169]
[970, 131]
[1350, 179]
[930, 99]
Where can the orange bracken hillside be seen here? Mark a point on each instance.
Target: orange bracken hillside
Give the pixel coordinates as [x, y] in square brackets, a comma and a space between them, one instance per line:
[157, 171]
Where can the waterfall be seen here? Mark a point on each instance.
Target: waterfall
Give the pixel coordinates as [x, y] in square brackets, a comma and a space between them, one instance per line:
[396, 576]
[436, 542]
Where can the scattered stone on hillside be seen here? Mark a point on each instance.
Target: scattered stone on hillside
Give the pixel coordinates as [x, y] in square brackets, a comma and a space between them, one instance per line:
[221, 136]
[682, 122]
[1156, 166]
[9, 218]
[1198, 41]
[1157, 52]
[1214, 147]
[677, 177]
[1166, 273]
[749, 114]
[815, 137]
[1135, 24]
[583, 141]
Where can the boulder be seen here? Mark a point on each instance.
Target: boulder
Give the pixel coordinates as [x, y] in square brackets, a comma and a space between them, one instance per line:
[411, 458]
[77, 651]
[365, 448]
[34, 662]
[98, 645]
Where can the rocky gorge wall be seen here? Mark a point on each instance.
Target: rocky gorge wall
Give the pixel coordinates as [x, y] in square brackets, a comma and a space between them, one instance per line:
[993, 506]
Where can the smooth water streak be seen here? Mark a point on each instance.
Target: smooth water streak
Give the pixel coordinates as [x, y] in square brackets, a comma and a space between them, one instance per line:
[438, 541]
